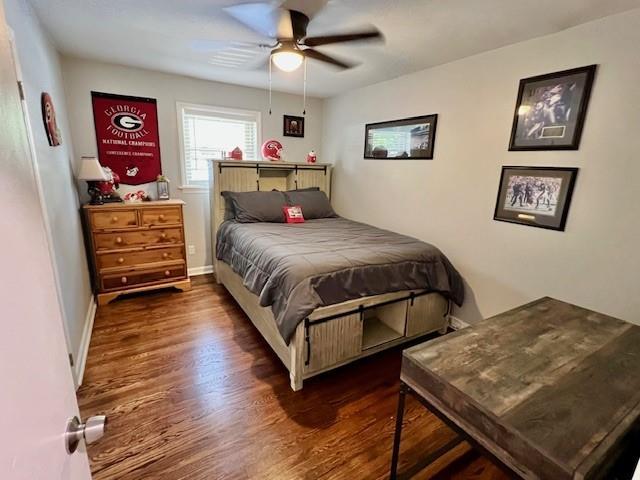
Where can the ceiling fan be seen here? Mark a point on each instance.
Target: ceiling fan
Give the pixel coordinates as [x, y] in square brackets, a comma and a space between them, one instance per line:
[288, 29]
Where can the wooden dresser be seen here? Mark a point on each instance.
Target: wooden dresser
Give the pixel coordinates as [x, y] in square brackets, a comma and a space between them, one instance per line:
[136, 247]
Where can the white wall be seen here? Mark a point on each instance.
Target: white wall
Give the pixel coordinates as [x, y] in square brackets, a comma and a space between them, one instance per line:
[82, 76]
[41, 73]
[449, 201]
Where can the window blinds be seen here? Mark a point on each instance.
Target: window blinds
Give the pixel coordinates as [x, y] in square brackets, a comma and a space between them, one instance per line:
[209, 133]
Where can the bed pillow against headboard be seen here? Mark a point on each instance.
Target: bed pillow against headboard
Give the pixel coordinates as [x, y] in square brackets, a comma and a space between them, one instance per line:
[253, 207]
[314, 203]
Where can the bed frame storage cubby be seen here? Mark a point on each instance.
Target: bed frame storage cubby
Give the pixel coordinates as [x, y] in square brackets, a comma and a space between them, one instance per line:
[383, 324]
[333, 335]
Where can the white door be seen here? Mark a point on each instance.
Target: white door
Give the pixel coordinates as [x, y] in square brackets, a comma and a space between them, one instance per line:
[36, 387]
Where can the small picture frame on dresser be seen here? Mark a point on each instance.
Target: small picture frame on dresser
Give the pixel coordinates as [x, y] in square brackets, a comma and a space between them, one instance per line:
[163, 188]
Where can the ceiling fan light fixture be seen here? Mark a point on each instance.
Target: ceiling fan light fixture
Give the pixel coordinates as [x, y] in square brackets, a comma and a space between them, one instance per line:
[287, 59]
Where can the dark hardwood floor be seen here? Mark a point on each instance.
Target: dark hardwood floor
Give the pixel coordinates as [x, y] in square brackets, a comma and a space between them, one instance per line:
[192, 391]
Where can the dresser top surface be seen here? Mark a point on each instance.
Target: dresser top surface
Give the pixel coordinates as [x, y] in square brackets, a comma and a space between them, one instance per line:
[153, 203]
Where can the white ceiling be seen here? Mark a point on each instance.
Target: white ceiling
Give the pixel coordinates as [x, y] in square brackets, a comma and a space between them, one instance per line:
[186, 36]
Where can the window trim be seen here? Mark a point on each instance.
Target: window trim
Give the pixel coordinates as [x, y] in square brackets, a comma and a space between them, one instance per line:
[180, 107]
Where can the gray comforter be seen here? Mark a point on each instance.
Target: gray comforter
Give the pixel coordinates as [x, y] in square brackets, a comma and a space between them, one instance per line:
[295, 268]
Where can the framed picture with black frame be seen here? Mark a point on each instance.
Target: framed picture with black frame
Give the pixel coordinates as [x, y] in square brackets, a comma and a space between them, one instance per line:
[406, 139]
[293, 126]
[551, 109]
[535, 196]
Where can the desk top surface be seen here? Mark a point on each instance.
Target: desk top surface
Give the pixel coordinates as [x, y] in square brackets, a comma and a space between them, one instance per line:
[549, 386]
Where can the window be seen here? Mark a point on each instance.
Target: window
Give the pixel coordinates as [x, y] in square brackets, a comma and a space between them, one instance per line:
[207, 132]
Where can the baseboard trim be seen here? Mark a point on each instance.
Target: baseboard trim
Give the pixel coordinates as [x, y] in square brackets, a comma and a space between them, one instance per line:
[457, 323]
[83, 351]
[205, 270]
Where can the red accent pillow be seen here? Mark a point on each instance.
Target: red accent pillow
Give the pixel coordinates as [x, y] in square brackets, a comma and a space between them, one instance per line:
[293, 214]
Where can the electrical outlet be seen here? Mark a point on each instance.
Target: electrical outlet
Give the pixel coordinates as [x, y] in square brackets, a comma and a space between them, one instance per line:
[191, 249]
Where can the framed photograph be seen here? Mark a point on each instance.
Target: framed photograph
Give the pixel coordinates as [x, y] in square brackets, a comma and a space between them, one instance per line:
[407, 139]
[163, 187]
[535, 196]
[293, 126]
[550, 110]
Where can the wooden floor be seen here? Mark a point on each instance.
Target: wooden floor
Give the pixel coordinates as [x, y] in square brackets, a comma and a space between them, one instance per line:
[192, 391]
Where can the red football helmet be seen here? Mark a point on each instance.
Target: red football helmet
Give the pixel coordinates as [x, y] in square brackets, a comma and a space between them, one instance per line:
[108, 187]
[272, 150]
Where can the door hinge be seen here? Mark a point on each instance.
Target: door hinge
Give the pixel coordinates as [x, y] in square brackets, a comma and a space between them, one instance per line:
[71, 359]
[21, 89]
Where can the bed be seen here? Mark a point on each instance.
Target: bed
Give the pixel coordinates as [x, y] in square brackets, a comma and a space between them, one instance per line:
[327, 291]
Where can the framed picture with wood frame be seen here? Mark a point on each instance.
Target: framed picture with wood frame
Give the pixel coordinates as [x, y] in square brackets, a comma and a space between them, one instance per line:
[293, 126]
[535, 196]
[406, 139]
[550, 110]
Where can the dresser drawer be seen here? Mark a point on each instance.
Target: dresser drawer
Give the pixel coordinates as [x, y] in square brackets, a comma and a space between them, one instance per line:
[119, 218]
[140, 278]
[162, 216]
[115, 240]
[139, 257]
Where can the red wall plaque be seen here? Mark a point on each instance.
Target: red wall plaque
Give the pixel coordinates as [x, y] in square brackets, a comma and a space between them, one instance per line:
[127, 136]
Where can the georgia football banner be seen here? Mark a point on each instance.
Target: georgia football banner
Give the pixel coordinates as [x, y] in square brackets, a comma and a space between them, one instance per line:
[127, 136]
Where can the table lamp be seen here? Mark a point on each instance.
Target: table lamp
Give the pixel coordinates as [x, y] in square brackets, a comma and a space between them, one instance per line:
[92, 172]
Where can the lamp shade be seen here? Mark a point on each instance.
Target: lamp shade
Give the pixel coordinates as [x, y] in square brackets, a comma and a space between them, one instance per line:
[91, 170]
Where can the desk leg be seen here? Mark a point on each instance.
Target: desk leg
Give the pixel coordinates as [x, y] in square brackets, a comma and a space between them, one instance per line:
[398, 433]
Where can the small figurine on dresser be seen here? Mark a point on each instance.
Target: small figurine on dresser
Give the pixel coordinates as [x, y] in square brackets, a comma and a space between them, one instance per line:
[108, 187]
[136, 197]
[102, 182]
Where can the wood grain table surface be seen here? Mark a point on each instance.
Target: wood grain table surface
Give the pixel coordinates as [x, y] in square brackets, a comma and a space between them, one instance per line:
[549, 388]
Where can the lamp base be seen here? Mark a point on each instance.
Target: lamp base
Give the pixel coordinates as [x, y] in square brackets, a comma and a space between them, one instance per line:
[94, 193]
[111, 200]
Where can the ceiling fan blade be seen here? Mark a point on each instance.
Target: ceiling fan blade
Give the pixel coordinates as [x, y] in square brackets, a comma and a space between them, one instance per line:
[315, 54]
[263, 18]
[299, 22]
[345, 37]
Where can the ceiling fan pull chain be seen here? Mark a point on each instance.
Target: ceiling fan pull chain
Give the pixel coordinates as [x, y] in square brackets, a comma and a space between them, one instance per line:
[304, 89]
[269, 84]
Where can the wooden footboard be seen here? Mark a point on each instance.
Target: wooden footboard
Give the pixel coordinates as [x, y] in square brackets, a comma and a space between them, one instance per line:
[339, 334]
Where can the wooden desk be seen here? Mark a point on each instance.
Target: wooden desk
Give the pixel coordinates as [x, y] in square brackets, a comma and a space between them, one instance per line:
[548, 389]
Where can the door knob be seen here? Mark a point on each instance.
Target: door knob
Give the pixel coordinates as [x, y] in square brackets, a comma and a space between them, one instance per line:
[91, 431]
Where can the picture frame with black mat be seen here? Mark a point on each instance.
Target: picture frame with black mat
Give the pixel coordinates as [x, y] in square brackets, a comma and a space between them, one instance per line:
[405, 139]
[535, 196]
[551, 109]
[293, 126]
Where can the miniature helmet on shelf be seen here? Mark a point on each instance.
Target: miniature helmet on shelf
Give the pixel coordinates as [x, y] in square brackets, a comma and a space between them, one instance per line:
[272, 150]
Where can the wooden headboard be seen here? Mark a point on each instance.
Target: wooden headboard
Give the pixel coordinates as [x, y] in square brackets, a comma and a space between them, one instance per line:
[244, 176]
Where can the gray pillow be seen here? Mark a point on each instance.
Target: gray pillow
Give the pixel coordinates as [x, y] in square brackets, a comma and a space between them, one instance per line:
[253, 207]
[314, 203]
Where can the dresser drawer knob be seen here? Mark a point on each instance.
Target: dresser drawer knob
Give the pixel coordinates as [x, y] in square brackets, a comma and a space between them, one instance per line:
[123, 280]
[161, 217]
[121, 260]
[165, 255]
[163, 236]
[114, 219]
[118, 240]
[167, 273]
